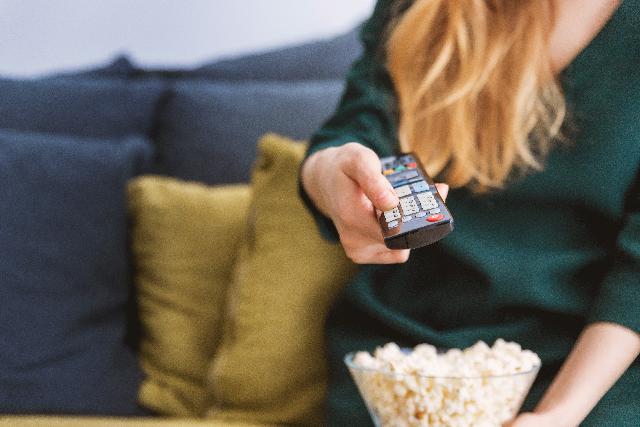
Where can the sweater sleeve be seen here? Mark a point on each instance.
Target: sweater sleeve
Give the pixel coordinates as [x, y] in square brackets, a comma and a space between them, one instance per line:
[618, 298]
[366, 112]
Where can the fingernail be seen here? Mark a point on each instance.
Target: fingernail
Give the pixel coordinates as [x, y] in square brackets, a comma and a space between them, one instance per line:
[388, 199]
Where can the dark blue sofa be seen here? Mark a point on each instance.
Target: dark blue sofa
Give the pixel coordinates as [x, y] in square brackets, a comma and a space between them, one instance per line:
[68, 145]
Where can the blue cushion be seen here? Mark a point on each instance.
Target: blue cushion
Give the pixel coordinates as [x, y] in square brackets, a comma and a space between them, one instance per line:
[208, 131]
[119, 67]
[64, 274]
[83, 107]
[327, 59]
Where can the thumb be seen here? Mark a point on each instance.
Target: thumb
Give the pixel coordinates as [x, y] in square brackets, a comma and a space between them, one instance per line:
[363, 166]
[443, 190]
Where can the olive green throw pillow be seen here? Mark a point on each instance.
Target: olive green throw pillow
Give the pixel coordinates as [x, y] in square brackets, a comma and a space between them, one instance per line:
[271, 367]
[185, 238]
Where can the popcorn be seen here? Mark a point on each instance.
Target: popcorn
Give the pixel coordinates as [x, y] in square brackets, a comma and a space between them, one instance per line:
[479, 386]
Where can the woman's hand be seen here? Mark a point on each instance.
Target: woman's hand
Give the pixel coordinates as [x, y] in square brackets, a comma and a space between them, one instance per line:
[345, 184]
[530, 419]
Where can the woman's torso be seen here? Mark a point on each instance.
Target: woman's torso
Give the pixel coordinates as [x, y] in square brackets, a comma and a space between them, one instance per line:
[524, 263]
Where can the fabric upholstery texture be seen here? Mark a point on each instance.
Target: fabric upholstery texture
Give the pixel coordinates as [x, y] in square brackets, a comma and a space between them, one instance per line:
[271, 364]
[120, 67]
[83, 107]
[200, 114]
[64, 274]
[290, 90]
[318, 60]
[184, 241]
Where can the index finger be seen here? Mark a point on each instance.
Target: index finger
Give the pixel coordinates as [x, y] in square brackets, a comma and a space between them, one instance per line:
[363, 166]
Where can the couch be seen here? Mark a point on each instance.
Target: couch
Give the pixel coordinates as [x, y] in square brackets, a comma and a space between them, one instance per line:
[83, 152]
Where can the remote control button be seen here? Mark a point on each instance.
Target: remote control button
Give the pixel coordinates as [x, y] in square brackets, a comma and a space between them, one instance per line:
[392, 215]
[406, 159]
[406, 218]
[411, 210]
[409, 205]
[420, 186]
[421, 214]
[435, 211]
[405, 201]
[427, 201]
[392, 224]
[398, 182]
[402, 191]
[435, 218]
[400, 168]
[411, 165]
[388, 172]
[410, 174]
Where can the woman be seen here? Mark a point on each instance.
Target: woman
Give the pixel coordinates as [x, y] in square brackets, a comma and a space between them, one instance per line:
[546, 250]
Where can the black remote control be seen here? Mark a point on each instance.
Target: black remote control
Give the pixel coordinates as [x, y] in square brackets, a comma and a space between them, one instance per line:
[421, 218]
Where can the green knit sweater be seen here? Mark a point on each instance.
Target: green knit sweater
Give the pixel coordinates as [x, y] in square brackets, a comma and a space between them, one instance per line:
[534, 263]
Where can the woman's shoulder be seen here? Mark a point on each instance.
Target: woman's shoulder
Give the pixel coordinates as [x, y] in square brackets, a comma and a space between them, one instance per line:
[384, 12]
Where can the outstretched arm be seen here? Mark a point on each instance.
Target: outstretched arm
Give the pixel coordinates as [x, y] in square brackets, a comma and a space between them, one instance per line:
[600, 356]
[365, 113]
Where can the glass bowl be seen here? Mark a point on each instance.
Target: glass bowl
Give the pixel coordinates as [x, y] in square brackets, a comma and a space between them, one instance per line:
[406, 400]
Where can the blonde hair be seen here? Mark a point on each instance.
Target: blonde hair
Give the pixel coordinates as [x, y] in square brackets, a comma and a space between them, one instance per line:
[477, 97]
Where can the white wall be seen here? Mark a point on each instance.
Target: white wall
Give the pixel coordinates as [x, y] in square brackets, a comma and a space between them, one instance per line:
[39, 36]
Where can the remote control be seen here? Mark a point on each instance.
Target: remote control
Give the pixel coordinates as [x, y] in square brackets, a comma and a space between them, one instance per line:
[421, 218]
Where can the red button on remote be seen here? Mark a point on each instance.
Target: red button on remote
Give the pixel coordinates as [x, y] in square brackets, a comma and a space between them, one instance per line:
[435, 218]
[411, 165]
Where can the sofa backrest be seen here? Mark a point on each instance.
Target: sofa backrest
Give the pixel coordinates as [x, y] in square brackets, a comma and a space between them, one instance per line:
[207, 130]
[209, 119]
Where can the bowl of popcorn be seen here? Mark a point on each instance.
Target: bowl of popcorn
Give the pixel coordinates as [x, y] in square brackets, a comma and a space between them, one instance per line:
[479, 386]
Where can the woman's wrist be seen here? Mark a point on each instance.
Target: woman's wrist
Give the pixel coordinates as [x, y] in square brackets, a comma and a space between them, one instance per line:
[559, 416]
[310, 181]
[540, 419]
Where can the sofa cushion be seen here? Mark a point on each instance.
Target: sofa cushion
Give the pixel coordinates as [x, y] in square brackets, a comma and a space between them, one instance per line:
[119, 67]
[64, 274]
[184, 240]
[325, 59]
[83, 107]
[208, 130]
[271, 364]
